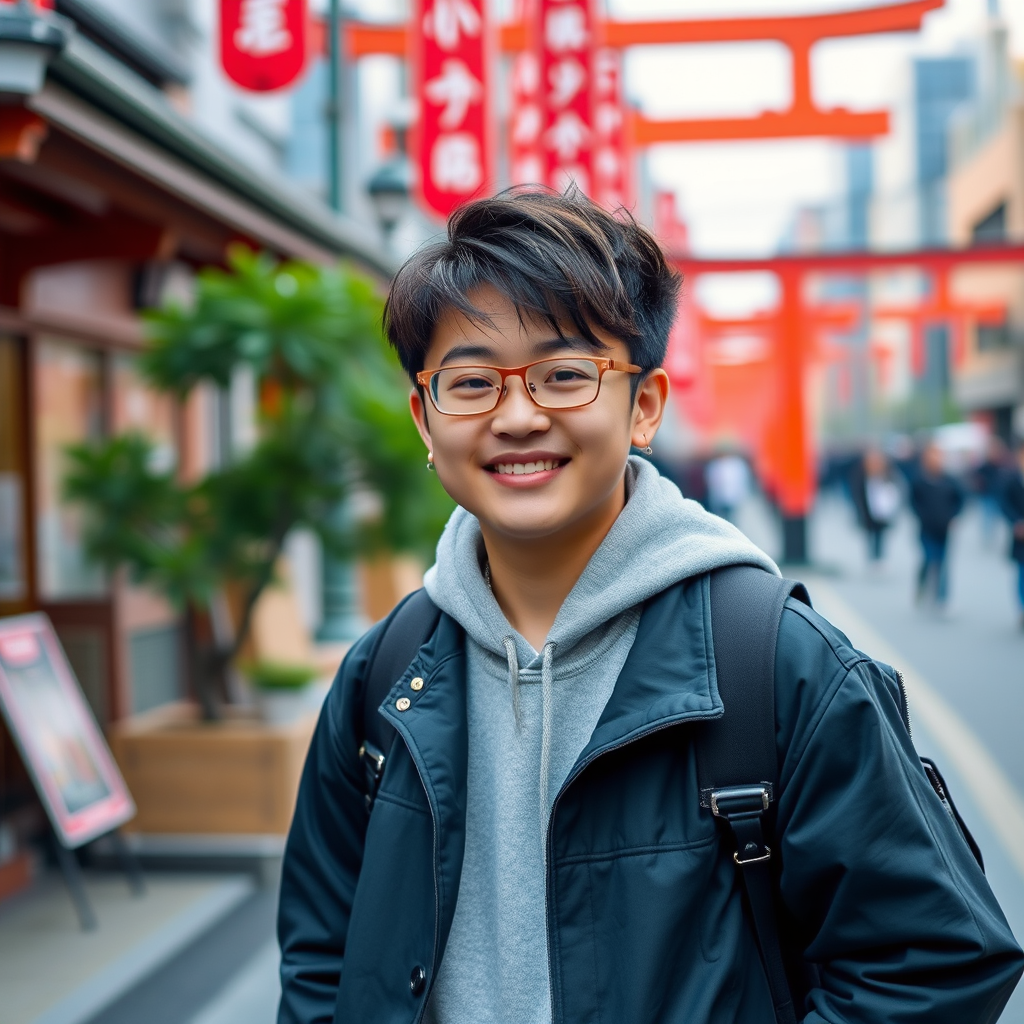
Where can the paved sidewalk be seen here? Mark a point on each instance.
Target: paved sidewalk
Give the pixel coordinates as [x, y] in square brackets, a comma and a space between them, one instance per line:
[51, 972]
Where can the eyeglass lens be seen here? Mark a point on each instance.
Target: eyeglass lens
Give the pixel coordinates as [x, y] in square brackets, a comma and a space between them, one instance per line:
[553, 384]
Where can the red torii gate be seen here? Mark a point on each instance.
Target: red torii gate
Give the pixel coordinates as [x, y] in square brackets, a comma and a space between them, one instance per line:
[789, 458]
[788, 448]
[803, 119]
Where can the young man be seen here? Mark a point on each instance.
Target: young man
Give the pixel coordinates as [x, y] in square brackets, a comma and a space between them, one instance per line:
[537, 851]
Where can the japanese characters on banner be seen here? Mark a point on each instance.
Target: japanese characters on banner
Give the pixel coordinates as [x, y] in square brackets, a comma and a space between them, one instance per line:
[612, 170]
[451, 58]
[263, 42]
[526, 117]
[566, 42]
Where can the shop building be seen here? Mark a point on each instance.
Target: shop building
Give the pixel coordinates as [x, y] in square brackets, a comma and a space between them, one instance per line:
[110, 197]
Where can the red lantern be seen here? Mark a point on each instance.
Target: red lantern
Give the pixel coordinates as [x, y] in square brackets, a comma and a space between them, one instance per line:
[451, 59]
[263, 42]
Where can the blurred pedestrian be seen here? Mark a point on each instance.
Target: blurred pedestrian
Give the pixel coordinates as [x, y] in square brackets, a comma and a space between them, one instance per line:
[1013, 506]
[876, 498]
[936, 498]
[990, 480]
[728, 482]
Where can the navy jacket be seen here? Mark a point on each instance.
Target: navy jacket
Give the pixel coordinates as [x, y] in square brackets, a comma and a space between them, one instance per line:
[1013, 506]
[646, 923]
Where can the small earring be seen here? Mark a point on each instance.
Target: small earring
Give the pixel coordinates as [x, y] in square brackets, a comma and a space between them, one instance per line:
[647, 449]
[430, 462]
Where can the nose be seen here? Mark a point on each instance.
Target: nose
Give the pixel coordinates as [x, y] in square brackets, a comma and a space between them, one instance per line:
[517, 413]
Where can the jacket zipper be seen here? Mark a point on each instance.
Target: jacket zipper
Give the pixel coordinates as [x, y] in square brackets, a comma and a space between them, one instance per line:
[906, 701]
[573, 775]
[421, 772]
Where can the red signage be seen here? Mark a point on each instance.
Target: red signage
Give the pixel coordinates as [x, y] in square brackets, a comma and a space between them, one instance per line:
[526, 119]
[612, 165]
[451, 59]
[263, 42]
[566, 41]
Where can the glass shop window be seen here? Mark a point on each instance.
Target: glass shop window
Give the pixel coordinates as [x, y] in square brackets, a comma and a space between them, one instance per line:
[68, 388]
[13, 568]
[135, 406]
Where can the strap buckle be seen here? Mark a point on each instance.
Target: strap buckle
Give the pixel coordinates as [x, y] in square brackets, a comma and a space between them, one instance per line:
[767, 855]
[373, 769]
[740, 801]
[742, 809]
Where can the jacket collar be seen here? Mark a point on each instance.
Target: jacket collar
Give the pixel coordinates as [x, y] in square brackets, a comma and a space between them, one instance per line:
[669, 675]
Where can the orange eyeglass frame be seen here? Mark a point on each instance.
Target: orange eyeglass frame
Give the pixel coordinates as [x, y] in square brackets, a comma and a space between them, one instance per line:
[603, 365]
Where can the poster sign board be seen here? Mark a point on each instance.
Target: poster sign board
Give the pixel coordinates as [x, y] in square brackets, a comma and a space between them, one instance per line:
[61, 744]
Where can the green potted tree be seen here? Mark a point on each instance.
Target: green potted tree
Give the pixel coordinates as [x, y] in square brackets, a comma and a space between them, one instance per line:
[331, 422]
[282, 689]
[332, 419]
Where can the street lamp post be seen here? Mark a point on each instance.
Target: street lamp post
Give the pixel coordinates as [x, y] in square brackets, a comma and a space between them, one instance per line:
[389, 189]
[29, 40]
[340, 619]
[335, 191]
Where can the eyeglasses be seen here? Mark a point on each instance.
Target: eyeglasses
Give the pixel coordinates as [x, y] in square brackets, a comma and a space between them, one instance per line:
[556, 383]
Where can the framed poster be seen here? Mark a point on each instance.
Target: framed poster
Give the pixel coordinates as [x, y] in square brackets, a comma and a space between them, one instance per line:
[62, 746]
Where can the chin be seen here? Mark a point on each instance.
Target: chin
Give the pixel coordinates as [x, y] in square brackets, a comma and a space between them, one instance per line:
[524, 525]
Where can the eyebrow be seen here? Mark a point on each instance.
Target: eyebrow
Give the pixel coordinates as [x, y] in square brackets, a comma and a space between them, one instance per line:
[540, 349]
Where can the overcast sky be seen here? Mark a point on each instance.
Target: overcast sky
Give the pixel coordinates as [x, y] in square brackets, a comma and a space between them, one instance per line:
[738, 197]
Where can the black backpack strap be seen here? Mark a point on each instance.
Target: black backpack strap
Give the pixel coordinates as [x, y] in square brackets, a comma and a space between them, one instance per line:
[411, 625]
[737, 763]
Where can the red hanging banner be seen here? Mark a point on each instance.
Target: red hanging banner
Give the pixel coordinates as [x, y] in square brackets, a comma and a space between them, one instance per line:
[526, 118]
[613, 159]
[263, 42]
[451, 60]
[565, 33]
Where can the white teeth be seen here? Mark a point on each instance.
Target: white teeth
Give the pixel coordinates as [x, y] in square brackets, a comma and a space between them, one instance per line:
[523, 468]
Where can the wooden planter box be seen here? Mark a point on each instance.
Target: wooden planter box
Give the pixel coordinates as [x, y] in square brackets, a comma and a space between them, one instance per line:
[238, 776]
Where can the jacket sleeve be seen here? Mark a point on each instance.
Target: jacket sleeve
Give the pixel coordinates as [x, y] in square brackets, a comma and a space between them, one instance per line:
[324, 853]
[886, 898]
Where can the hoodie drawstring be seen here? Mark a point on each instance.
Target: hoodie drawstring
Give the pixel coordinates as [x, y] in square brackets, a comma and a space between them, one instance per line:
[547, 703]
[513, 676]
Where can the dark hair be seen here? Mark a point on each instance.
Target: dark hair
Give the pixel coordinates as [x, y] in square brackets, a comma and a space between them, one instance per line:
[559, 257]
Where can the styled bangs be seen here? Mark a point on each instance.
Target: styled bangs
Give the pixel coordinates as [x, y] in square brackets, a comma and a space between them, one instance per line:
[556, 258]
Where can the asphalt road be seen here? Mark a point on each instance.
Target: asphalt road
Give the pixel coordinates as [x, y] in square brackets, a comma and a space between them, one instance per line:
[972, 657]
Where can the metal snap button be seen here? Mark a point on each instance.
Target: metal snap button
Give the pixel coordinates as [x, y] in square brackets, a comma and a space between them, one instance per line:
[416, 684]
[403, 703]
[417, 980]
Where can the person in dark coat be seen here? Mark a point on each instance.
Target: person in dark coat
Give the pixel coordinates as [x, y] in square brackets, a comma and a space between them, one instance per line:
[937, 499]
[876, 498]
[1013, 506]
[990, 480]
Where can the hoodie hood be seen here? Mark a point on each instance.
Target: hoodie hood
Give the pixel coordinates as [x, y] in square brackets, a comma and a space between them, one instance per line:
[659, 538]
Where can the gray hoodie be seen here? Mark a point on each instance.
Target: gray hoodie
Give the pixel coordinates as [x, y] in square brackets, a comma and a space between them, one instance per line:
[530, 716]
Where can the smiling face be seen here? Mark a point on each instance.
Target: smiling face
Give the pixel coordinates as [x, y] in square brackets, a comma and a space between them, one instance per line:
[524, 471]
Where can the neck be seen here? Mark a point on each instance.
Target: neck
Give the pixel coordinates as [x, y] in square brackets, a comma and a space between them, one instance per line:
[532, 578]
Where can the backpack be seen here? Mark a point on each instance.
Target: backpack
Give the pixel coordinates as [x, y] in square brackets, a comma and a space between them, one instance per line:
[737, 762]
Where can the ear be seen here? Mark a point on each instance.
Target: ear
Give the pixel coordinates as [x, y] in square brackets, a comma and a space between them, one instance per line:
[649, 408]
[419, 416]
